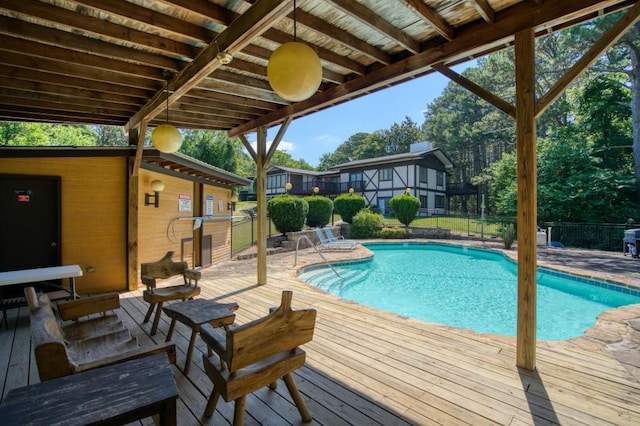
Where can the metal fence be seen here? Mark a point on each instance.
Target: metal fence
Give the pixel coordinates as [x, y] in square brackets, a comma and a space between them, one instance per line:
[600, 236]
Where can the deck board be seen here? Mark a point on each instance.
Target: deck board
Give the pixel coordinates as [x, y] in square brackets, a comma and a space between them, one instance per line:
[368, 367]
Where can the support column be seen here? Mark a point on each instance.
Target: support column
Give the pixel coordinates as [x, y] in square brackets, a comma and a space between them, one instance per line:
[527, 198]
[261, 194]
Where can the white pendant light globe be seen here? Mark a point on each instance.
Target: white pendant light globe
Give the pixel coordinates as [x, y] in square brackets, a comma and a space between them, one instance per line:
[166, 138]
[294, 71]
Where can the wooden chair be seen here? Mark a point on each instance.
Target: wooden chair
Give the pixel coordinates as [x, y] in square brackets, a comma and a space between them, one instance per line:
[256, 355]
[162, 269]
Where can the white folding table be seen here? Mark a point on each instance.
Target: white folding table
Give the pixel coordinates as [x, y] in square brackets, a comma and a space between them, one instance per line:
[36, 275]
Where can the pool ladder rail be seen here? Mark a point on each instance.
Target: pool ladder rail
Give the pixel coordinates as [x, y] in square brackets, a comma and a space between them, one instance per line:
[295, 261]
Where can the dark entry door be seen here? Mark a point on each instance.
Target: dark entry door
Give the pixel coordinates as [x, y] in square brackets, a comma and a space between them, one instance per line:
[29, 222]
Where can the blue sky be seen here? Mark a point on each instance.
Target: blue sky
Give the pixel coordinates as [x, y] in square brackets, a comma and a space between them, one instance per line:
[315, 134]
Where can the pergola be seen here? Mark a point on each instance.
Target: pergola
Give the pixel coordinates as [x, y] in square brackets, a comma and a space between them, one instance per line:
[122, 62]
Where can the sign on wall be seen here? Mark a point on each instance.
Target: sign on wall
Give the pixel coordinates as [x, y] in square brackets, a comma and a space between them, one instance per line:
[184, 202]
[208, 205]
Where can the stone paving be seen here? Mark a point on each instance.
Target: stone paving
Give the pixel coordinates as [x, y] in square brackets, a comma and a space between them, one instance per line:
[616, 331]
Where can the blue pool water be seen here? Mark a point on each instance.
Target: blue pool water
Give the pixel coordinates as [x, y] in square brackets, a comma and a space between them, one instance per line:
[468, 288]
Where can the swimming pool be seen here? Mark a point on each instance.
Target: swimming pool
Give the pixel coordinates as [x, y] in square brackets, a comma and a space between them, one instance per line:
[468, 288]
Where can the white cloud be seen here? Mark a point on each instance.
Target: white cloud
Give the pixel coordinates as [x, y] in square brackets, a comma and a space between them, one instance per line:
[284, 146]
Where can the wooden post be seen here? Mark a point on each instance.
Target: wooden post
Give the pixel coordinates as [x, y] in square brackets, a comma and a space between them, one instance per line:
[527, 202]
[261, 194]
[136, 137]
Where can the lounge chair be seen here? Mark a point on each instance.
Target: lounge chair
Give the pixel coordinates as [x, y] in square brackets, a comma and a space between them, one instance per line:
[325, 244]
[339, 239]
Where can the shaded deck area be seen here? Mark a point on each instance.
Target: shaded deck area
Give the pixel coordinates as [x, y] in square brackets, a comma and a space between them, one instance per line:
[368, 367]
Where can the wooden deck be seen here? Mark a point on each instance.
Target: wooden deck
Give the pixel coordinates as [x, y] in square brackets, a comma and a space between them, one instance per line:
[368, 367]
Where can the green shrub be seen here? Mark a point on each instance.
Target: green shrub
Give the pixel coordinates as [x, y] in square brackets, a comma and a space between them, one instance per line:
[405, 208]
[393, 233]
[320, 210]
[508, 235]
[347, 205]
[288, 213]
[366, 224]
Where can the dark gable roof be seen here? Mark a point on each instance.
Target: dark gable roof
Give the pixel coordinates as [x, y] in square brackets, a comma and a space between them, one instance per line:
[398, 158]
[152, 159]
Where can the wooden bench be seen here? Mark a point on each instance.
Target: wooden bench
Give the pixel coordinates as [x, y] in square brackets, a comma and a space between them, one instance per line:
[162, 269]
[83, 344]
[256, 355]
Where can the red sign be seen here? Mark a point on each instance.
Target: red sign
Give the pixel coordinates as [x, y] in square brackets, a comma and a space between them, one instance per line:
[23, 198]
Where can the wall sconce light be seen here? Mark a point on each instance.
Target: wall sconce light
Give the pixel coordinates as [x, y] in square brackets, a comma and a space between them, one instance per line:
[231, 205]
[156, 186]
[288, 187]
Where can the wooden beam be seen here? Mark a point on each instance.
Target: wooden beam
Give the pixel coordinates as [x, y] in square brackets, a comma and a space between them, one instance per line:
[476, 89]
[527, 193]
[608, 39]
[261, 194]
[278, 138]
[485, 10]
[257, 19]
[435, 20]
[249, 148]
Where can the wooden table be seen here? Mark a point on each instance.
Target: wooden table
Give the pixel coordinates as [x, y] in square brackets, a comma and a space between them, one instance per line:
[113, 395]
[194, 313]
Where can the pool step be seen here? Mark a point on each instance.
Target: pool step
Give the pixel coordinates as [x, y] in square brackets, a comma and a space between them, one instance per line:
[327, 280]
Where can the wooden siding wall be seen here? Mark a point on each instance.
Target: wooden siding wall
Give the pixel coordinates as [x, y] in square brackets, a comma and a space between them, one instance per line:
[160, 230]
[93, 204]
[220, 227]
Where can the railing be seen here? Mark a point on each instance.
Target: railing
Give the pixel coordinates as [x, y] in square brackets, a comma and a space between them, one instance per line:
[295, 259]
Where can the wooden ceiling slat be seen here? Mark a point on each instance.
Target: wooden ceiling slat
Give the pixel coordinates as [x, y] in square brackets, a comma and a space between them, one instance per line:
[74, 70]
[82, 22]
[39, 50]
[149, 17]
[50, 36]
[375, 22]
[37, 76]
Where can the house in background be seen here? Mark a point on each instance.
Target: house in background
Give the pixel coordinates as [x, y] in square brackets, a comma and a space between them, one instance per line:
[67, 205]
[423, 171]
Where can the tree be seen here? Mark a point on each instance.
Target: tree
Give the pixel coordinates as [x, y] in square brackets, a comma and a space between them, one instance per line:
[405, 208]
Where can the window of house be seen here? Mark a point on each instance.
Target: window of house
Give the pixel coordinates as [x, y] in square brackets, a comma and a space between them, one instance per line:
[423, 174]
[440, 178]
[439, 201]
[356, 181]
[385, 174]
[276, 181]
[424, 201]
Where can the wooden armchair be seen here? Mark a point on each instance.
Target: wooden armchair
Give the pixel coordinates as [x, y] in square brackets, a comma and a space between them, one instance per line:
[257, 354]
[166, 268]
[86, 343]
